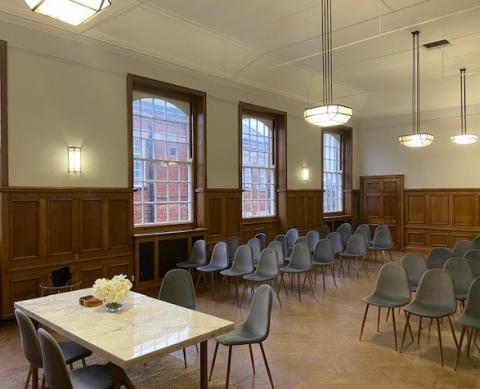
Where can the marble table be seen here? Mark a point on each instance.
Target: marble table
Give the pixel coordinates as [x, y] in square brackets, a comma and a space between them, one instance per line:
[145, 329]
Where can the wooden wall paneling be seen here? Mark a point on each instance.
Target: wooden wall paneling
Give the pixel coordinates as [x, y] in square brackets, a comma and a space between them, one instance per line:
[24, 228]
[92, 225]
[439, 208]
[59, 226]
[119, 221]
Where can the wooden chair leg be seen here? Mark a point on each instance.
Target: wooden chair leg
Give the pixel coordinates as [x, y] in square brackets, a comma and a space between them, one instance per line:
[43, 381]
[84, 363]
[251, 358]
[211, 286]
[213, 361]
[196, 346]
[453, 331]
[184, 358]
[29, 376]
[299, 289]
[419, 329]
[407, 323]
[311, 284]
[323, 278]
[228, 365]
[469, 343]
[363, 322]
[266, 366]
[332, 269]
[388, 315]
[378, 320]
[440, 339]
[394, 328]
[198, 281]
[459, 348]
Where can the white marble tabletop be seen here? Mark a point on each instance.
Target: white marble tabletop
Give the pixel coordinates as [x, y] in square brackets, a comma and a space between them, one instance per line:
[145, 328]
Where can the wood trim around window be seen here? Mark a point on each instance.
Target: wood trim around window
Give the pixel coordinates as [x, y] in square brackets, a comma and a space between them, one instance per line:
[279, 119]
[198, 104]
[3, 115]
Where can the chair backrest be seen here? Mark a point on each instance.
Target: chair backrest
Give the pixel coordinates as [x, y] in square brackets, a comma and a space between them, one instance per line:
[292, 236]
[364, 230]
[54, 367]
[323, 231]
[282, 238]
[255, 246]
[461, 274]
[336, 241]
[177, 288]
[312, 239]
[268, 264]
[345, 230]
[301, 239]
[258, 320]
[392, 282]
[476, 241]
[415, 266]
[472, 305]
[243, 261]
[473, 258]
[356, 245]
[436, 289]
[29, 339]
[383, 238]
[301, 257]
[277, 247]
[437, 257]
[198, 254]
[461, 247]
[219, 255]
[232, 246]
[324, 251]
[262, 238]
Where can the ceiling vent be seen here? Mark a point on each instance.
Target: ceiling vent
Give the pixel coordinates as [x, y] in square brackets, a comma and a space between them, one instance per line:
[436, 44]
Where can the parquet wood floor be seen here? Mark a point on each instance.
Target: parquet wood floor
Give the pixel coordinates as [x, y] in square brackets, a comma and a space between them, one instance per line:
[314, 344]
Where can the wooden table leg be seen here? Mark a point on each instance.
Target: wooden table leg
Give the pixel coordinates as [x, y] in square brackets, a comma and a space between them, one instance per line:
[35, 377]
[120, 377]
[203, 365]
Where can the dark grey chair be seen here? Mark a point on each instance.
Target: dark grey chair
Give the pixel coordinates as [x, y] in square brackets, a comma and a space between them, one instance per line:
[276, 246]
[476, 241]
[232, 246]
[391, 291]
[218, 262]
[462, 276]
[301, 239]
[461, 247]
[198, 256]
[323, 231]
[415, 265]
[473, 258]
[312, 239]
[241, 266]
[336, 241]
[437, 257]
[177, 288]
[470, 318]
[71, 351]
[435, 299]
[323, 257]
[364, 230]
[355, 250]
[345, 231]
[282, 238]
[292, 236]
[300, 263]
[254, 330]
[57, 376]
[256, 247]
[382, 242]
[262, 237]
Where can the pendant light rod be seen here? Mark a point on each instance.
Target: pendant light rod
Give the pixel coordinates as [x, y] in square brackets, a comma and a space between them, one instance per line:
[416, 82]
[463, 101]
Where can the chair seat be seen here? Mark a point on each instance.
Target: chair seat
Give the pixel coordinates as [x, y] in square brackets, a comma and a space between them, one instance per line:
[92, 377]
[344, 254]
[373, 247]
[461, 295]
[259, 277]
[321, 263]
[428, 311]
[238, 336]
[468, 321]
[290, 269]
[232, 273]
[73, 352]
[188, 265]
[210, 268]
[382, 301]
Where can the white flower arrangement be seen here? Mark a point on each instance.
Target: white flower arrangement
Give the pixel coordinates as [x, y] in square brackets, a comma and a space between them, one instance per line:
[112, 291]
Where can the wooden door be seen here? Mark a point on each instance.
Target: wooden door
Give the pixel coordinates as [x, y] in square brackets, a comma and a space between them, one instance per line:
[382, 203]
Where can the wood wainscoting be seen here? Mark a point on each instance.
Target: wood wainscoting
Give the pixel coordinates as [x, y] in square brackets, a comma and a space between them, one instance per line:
[46, 228]
[440, 217]
[303, 210]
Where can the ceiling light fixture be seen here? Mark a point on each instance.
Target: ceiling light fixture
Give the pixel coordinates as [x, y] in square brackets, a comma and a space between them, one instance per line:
[328, 114]
[464, 138]
[73, 12]
[417, 139]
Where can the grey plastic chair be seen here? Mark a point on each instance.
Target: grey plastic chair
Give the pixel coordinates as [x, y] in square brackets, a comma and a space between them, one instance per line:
[198, 256]
[262, 237]
[476, 241]
[300, 263]
[415, 265]
[277, 247]
[462, 276]
[437, 257]
[392, 290]
[292, 236]
[218, 262]
[282, 238]
[345, 231]
[232, 246]
[177, 288]
[323, 257]
[254, 330]
[57, 376]
[323, 231]
[312, 239]
[255, 246]
[71, 351]
[266, 272]
[435, 299]
[382, 242]
[473, 258]
[336, 241]
[364, 230]
[461, 247]
[470, 318]
[242, 265]
[355, 250]
[301, 239]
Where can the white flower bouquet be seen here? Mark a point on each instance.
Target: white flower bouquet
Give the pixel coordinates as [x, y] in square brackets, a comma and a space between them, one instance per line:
[114, 291]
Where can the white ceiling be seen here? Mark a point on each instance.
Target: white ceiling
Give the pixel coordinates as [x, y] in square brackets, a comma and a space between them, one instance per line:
[275, 45]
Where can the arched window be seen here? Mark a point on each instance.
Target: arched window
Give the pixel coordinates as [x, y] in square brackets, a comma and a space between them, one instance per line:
[162, 160]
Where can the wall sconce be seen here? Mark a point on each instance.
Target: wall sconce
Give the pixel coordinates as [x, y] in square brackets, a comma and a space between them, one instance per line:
[74, 159]
[305, 174]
